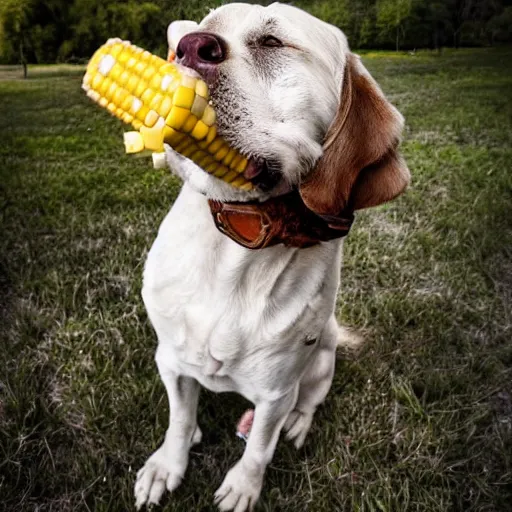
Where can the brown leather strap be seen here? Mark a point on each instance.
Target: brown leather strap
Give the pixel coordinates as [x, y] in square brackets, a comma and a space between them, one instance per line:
[280, 220]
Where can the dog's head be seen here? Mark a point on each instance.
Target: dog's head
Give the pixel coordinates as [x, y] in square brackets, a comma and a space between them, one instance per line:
[290, 95]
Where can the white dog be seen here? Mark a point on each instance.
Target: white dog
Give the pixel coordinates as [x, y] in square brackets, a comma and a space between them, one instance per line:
[289, 95]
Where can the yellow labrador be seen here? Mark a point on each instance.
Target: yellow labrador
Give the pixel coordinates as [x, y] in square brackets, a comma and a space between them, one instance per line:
[290, 95]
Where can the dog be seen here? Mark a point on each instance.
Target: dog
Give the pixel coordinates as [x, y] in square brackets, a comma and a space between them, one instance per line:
[291, 96]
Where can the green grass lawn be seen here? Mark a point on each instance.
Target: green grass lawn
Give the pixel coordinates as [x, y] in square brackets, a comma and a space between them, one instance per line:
[420, 420]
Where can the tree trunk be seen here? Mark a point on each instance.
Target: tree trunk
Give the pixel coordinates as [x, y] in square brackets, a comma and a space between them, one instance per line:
[396, 41]
[23, 61]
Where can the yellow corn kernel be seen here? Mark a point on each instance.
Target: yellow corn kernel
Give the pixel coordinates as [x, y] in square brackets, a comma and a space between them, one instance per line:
[123, 57]
[211, 168]
[198, 106]
[202, 89]
[184, 144]
[190, 123]
[123, 78]
[200, 131]
[151, 118]
[189, 150]
[159, 160]
[173, 137]
[241, 166]
[155, 81]
[168, 68]
[104, 86]
[119, 96]
[230, 176]
[170, 85]
[142, 113]
[132, 83]
[155, 102]
[177, 117]
[111, 90]
[209, 116]
[189, 81]
[165, 106]
[205, 160]
[96, 81]
[221, 171]
[184, 97]
[136, 105]
[211, 135]
[140, 67]
[130, 63]
[127, 103]
[221, 153]
[238, 181]
[148, 73]
[155, 61]
[141, 87]
[153, 138]
[196, 155]
[229, 157]
[147, 96]
[116, 49]
[215, 146]
[93, 95]
[115, 72]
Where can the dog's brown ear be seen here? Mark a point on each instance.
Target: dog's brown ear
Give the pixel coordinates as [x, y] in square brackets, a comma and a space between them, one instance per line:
[360, 166]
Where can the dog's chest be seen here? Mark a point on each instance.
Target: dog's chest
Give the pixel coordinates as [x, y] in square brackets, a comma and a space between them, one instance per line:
[227, 315]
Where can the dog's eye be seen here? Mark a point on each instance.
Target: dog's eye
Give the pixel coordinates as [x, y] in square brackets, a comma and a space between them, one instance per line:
[270, 42]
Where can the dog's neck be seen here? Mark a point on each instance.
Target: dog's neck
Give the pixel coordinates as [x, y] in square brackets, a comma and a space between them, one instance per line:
[284, 219]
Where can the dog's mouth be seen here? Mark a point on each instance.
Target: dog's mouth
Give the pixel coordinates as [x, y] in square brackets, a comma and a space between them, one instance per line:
[263, 173]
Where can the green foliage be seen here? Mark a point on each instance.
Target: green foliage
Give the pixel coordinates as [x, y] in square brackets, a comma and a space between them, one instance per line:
[392, 16]
[94, 22]
[15, 24]
[70, 30]
[500, 26]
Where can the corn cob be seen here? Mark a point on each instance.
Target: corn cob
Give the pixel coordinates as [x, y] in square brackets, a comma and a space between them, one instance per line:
[165, 104]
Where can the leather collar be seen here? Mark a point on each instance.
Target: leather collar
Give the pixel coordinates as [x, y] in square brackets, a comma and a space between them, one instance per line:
[280, 220]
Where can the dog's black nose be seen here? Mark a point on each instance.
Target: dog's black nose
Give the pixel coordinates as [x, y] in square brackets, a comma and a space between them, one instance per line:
[200, 50]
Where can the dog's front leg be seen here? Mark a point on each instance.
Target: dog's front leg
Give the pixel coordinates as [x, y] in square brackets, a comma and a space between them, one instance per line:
[166, 467]
[242, 485]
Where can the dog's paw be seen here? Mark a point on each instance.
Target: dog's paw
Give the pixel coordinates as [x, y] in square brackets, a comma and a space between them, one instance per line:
[239, 491]
[163, 470]
[154, 477]
[297, 426]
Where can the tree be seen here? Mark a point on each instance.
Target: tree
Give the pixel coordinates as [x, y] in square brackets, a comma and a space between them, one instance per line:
[15, 23]
[499, 27]
[392, 16]
[433, 18]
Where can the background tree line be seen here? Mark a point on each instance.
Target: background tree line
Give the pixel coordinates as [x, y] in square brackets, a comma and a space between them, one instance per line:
[46, 31]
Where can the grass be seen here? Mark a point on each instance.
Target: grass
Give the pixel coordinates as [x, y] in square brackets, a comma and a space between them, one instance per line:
[421, 420]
